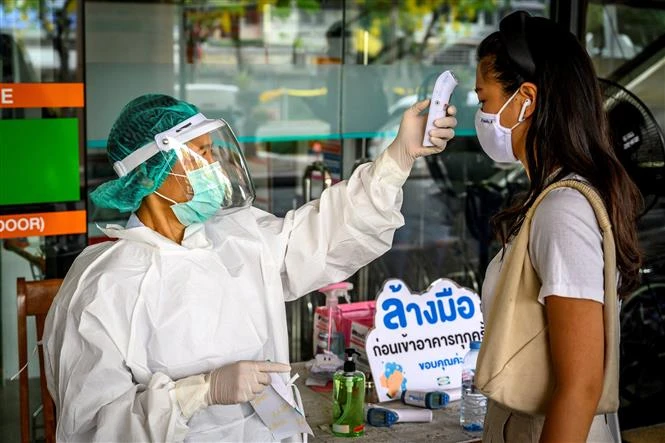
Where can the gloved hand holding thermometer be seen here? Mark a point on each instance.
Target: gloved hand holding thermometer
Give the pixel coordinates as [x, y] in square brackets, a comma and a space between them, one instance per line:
[443, 89]
[420, 135]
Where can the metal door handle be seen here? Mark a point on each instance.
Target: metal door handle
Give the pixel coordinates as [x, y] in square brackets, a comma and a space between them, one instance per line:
[317, 166]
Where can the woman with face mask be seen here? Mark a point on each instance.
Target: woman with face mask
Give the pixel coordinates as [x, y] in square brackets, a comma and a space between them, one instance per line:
[170, 331]
[548, 362]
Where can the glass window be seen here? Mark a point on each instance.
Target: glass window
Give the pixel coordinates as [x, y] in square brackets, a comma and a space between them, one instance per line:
[402, 47]
[131, 48]
[303, 82]
[42, 173]
[627, 45]
[626, 41]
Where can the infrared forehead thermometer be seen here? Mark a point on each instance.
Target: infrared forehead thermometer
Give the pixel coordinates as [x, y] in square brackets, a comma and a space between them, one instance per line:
[443, 89]
[386, 417]
[425, 399]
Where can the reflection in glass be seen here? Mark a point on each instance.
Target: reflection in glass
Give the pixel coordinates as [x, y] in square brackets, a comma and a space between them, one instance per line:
[310, 81]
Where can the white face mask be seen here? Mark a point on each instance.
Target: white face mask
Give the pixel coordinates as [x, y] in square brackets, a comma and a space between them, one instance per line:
[495, 139]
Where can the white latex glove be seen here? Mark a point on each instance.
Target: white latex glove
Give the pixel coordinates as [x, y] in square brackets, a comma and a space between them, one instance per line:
[407, 146]
[241, 381]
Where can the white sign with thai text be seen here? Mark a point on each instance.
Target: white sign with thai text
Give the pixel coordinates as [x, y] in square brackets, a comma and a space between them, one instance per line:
[419, 340]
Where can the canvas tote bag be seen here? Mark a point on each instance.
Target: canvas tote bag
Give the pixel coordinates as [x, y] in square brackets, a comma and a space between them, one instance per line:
[514, 366]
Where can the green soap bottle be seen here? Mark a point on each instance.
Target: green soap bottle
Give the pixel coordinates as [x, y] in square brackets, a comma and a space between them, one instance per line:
[348, 399]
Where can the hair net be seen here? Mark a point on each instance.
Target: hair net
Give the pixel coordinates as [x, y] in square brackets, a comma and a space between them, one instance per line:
[138, 123]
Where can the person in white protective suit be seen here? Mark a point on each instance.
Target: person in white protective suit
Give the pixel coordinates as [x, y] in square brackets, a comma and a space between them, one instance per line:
[167, 333]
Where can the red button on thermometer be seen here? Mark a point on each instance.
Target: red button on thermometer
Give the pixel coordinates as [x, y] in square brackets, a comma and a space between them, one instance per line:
[443, 89]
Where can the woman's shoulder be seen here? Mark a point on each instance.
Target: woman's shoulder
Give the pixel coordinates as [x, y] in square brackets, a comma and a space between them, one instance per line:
[566, 198]
[565, 207]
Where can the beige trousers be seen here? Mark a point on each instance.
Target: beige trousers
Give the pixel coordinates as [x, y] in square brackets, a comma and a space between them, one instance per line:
[504, 425]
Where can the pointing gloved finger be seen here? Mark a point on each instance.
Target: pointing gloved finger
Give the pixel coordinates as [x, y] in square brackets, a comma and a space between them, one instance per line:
[270, 366]
[445, 122]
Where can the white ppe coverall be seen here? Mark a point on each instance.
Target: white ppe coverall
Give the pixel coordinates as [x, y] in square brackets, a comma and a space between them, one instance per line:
[137, 314]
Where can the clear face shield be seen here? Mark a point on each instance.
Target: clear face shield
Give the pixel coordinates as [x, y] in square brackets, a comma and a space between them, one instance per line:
[209, 174]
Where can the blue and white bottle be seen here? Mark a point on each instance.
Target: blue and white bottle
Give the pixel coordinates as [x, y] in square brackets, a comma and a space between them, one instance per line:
[474, 404]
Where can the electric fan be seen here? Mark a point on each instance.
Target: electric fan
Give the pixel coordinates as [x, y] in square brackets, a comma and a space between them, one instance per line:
[640, 146]
[638, 140]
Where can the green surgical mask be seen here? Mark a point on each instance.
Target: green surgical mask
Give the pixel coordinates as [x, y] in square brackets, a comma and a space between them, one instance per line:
[210, 188]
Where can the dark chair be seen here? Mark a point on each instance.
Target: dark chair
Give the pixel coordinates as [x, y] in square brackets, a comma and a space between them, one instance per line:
[34, 298]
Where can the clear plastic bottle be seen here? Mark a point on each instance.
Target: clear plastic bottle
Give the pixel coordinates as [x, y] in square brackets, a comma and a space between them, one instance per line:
[333, 340]
[474, 404]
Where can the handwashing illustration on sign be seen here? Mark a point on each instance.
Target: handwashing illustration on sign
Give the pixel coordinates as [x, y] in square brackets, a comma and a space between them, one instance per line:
[419, 340]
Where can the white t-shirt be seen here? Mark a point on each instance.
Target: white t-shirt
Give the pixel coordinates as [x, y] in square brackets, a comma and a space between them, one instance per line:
[565, 247]
[566, 251]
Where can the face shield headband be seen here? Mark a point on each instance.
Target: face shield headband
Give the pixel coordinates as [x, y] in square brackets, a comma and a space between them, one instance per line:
[210, 166]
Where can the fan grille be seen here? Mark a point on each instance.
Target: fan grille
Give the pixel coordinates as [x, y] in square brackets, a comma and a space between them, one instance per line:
[637, 139]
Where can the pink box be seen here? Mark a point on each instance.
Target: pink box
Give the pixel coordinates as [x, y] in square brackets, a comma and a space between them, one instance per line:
[361, 312]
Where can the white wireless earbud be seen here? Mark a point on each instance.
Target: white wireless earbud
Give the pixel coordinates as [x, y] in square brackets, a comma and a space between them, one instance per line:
[525, 105]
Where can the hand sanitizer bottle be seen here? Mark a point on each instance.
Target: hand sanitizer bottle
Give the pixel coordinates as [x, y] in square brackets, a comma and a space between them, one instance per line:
[348, 399]
[333, 340]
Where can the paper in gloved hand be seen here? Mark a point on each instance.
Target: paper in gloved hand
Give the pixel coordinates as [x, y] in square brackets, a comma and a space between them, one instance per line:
[278, 411]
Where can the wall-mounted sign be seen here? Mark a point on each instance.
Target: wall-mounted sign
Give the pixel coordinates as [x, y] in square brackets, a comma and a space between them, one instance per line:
[41, 95]
[39, 161]
[419, 340]
[42, 224]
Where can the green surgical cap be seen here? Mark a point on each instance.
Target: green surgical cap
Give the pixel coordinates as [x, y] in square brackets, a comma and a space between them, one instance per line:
[138, 123]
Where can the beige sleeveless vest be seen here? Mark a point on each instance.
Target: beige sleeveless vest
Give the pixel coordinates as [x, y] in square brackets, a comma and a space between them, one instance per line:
[514, 366]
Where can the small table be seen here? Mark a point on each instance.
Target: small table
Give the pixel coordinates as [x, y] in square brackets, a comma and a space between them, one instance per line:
[444, 428]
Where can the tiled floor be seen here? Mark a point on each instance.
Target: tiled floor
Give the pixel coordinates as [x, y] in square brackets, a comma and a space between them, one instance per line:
[9, 410]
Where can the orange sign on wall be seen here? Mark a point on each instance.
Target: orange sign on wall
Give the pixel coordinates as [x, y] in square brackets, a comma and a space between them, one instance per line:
[41, 95]
[42, 224]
